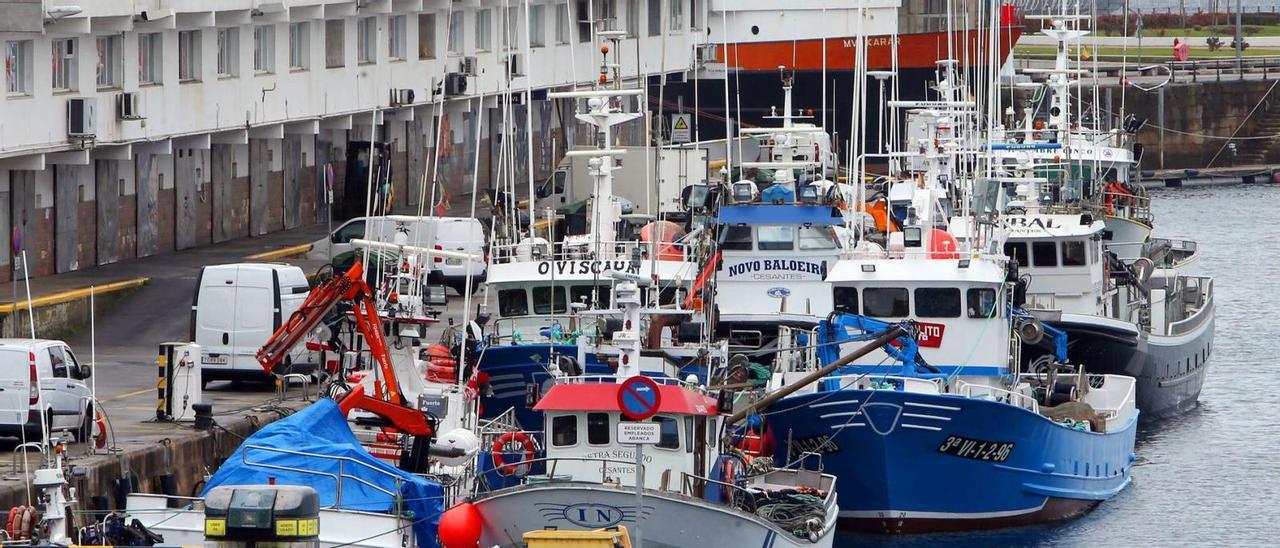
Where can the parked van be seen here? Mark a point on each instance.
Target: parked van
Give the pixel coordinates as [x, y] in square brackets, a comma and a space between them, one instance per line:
[419, 232]
[43, 377]
[465, 235]
[235, 310]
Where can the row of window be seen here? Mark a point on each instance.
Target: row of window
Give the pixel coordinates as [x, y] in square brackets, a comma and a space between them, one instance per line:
[565, 428]
[778, 238]
[110, 50]
[551, 299]
[1045, 254]
[930, 302]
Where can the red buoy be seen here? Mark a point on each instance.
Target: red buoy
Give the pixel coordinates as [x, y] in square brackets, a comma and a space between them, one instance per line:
[460, 526]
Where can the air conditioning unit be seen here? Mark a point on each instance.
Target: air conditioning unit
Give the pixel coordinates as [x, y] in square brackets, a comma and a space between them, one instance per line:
[515, 64]
[469, 66]
[704, 53]
[401, 97]
[82, 118]
[129, 106]
[455, 83]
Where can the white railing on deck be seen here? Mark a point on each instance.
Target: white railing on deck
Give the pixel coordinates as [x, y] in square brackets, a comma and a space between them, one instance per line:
[987, 392]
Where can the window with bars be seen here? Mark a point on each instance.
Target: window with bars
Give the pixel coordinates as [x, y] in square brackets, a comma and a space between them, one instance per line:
[675, 15]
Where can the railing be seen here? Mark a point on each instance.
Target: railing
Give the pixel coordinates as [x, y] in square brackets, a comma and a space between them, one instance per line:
[1191, 70]
[909, 384]
[554, 462]
[1129, 206]
[1202, 288]
[336, 477]
[622, 252]
[986, 392]
[693, 486]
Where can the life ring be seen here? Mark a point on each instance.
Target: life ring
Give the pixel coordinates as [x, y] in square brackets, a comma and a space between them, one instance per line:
[28, 517]
[500, 445]
[15, 515]
[101, 441]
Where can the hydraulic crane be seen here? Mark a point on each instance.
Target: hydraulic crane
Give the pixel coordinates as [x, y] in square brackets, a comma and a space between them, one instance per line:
[387, 401]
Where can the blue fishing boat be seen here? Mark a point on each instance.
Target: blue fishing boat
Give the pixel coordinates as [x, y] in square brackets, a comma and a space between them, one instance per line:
[917, 448]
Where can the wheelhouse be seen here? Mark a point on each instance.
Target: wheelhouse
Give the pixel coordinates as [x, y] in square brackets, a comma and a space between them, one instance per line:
[581, 422]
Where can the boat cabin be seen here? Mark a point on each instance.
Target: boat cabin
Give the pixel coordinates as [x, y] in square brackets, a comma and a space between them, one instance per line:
[774, 259]
[959, 305]
[1063, 256]
[581, 429]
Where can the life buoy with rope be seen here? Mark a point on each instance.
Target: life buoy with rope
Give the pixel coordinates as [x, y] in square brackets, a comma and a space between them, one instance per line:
[500, 446]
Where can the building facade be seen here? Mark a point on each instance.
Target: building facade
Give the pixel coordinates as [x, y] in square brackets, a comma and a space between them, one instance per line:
[131, 129]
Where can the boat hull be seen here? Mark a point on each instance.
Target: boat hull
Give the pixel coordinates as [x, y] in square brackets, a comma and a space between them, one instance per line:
[669, 519]
[1169, 370]
[887, 450]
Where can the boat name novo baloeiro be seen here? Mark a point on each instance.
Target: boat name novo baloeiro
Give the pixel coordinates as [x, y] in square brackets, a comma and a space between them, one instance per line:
[561, 268]
[775, 269]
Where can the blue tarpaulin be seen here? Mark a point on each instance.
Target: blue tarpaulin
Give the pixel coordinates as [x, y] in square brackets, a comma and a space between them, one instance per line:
[320, 449]
[761, 214]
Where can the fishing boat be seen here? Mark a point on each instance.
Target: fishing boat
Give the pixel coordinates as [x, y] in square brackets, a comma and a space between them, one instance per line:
[944, 429]
[1082, 240]
[544, 284]
[778, 232]
[687, 490]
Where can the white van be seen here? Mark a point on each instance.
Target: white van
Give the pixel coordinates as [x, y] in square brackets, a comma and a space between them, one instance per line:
[235, 310]
[419, 232]
[61, 395]
[465, 235]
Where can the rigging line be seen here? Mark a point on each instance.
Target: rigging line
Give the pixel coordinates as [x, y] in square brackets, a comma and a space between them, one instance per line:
[528, 118]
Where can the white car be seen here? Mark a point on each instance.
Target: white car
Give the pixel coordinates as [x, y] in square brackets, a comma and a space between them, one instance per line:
[42, 379]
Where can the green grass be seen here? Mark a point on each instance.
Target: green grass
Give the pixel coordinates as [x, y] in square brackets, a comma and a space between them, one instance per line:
[1223, 31]
[1113, 53]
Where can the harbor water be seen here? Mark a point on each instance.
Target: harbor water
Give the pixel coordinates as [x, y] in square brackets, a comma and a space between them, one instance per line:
[1210, 477]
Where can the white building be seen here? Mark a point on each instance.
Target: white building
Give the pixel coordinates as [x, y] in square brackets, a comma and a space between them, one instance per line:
[134, 128]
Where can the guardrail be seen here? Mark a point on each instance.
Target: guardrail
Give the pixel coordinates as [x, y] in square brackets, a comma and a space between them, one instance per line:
[1179, 71]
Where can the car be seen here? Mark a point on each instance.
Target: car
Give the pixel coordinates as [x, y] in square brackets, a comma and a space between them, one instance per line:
[42, 383]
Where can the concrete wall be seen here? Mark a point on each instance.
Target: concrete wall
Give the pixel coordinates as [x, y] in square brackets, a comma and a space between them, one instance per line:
[1196, 117]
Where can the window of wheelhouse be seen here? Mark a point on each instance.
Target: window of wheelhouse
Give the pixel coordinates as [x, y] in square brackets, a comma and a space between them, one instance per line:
[846, 299]
[1044, 254]
[937, 302]
[776, 238]
[597, 428]
[513, 302]
[813, 238]
[564, 431]
[981, 302]
[669, 432]
[1018, 252]
[591, 295]
[736, 238]
[1073, 253]
[549, 300]
[886, 302]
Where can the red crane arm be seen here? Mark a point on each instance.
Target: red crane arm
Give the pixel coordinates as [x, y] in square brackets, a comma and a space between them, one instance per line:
[350, 286]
